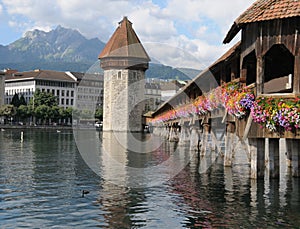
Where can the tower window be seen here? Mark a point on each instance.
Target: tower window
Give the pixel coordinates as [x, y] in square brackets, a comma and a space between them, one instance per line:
[119, 76]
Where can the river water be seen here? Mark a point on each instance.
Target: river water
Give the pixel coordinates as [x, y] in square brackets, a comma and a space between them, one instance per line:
[42, 178]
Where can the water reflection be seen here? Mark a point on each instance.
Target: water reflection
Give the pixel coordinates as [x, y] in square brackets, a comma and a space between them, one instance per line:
[41, 180]
[131, 160]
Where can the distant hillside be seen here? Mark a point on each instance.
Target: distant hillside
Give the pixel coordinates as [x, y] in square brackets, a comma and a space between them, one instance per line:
[167, 72]
[64, 49]
[58, 45]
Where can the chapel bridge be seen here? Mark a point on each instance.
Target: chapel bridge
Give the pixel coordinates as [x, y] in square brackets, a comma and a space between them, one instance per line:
[257, 103]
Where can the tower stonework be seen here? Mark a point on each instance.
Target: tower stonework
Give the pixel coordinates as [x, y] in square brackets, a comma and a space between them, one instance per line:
[124, 61]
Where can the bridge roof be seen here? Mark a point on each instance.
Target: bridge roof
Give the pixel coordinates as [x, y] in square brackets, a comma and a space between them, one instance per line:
[226, 56]
[264, 10]
[124, 43]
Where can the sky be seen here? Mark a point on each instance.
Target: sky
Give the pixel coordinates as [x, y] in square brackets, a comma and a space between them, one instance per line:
[179, 33]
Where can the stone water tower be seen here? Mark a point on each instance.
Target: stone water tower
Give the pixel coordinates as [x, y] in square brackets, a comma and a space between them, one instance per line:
[124, 61]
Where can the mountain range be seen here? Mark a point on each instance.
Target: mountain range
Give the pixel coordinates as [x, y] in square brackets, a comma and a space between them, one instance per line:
[63, 49]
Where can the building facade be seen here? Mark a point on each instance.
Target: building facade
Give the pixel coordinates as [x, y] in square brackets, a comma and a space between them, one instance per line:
[2, 88]
[152, 95]
[170, 88]
[70, 88]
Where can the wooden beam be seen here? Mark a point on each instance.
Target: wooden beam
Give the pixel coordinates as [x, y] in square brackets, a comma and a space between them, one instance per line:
[297, 75]
[259, 76]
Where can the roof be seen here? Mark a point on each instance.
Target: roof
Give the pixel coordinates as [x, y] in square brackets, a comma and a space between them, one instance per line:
[124, 43]
[152, 85]
[172, 85]
[264, 10]
[80, 76]
[40, 74]
[231, 52]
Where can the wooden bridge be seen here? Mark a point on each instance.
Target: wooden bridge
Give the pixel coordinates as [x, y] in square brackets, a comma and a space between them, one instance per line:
[250, 96]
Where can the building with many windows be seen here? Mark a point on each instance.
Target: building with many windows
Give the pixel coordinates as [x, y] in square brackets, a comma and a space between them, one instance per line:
[152, 95]
[89, 90]
[68, 87]
[2, 88]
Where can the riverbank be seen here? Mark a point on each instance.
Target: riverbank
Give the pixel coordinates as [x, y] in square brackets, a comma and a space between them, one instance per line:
[37, 127]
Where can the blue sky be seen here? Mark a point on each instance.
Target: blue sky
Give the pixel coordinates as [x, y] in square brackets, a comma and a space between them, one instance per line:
[195, 27]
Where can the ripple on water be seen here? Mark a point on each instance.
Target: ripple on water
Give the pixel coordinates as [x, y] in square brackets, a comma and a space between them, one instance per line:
[41, 182]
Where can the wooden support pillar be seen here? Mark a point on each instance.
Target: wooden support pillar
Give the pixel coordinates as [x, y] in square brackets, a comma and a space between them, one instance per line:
[173, 136]
[274, 157]
[166, 132]
[296, 82]
[295, 158]
[229, 138]
[184, 136]
[288, 152]
[204, 141]
[257, 152]
[194, 138]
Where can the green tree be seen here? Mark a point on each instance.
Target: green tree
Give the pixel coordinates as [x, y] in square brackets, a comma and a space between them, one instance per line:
[69, 113]
[99, 113]
[22, 100]
[66, 114]
[44, 106]
[23, 112]
[55, 113]
[15, 100]
[43, 98]
[86, 114]
[8, 111]
[43, 112]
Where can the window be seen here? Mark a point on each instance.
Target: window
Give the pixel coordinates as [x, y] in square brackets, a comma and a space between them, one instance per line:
[119, 75]
[279, 70]
[249, 68]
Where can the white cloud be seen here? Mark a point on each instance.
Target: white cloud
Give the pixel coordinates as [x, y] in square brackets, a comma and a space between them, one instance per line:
[151, 27]
[195, 26]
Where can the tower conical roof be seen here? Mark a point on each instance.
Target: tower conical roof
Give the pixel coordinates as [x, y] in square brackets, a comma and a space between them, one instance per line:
[124, 43]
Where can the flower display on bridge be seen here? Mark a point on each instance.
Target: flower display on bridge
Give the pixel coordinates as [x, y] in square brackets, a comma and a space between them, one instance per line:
[271, 113]
[276, 113]
[238, 101]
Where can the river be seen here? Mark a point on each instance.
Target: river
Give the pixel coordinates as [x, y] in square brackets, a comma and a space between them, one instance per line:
[43, 175]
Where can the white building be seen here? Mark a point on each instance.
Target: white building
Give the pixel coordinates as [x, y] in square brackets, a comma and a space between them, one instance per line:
[2, 88]
[64, 85]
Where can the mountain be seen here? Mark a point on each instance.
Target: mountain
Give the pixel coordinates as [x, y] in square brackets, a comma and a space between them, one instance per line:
[53, 49]
[65, 49]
